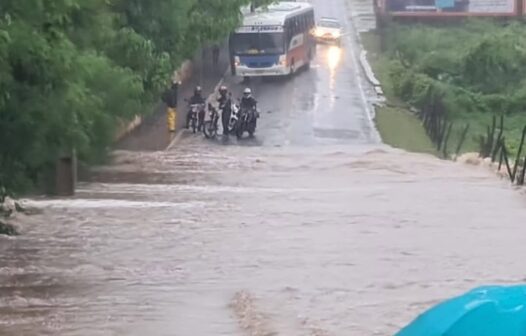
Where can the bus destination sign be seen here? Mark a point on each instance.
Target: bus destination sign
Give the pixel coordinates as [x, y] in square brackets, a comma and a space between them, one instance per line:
[259, 29]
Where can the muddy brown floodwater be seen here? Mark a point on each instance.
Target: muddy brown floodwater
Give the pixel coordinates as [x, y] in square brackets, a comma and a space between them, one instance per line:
[312, 228]
[327, 240]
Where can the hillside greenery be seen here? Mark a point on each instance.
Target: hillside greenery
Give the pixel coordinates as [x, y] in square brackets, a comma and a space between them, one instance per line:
[476, 68]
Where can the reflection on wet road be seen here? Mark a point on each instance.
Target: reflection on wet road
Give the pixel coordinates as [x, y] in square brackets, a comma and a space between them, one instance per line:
[334, 55]
[312, 228]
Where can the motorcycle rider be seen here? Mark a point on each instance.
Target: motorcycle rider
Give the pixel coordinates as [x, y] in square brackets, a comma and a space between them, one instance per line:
[197, 98]
[249, 114]
[248, 102]
[225, 107]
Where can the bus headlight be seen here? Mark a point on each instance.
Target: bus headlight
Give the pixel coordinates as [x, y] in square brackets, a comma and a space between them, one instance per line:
[237, 62]
[282, 60]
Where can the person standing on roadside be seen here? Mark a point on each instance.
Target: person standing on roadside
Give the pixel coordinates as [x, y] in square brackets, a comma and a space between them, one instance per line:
[170, 99]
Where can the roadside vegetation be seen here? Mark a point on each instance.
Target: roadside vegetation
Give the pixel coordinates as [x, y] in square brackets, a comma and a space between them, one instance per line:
[474, 70]
[71, 69]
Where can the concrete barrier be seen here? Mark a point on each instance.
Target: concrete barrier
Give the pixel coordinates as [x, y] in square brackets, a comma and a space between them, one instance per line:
[126, 127]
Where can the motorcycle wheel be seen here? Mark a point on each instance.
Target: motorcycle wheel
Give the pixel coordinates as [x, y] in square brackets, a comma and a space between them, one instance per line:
[239, 131]
[194, 125]
[200, 122]
[232, 127]
[209, 129]
[252, 128]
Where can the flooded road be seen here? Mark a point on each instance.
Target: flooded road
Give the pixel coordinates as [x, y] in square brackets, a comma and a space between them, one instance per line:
[312, 228]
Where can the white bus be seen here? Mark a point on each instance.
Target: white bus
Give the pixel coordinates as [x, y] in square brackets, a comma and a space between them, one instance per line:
[274, 41]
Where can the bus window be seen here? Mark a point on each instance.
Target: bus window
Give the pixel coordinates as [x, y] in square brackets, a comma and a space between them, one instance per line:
[264, 43]
[272, 43]
[311, 20]
[295, 26]
[244, 43]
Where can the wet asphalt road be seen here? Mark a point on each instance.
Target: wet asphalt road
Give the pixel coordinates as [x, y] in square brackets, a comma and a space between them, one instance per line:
[311, 228]
[327, 104]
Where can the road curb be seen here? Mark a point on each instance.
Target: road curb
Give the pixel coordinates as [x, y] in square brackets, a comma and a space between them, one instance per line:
[358, 63]
[175, 140]
[364, 62]
[367, 68]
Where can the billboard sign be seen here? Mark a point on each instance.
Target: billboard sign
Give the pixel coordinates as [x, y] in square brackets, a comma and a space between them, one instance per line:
[450, 7]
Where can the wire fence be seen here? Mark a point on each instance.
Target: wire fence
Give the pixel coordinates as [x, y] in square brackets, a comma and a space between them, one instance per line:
[494, 145]
[440, 128]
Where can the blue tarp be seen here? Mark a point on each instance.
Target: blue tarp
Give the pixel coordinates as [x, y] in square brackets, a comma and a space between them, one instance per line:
[484, 311]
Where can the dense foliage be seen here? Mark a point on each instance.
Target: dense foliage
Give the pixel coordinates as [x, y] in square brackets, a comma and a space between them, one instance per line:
[69, 69]
[476, 67]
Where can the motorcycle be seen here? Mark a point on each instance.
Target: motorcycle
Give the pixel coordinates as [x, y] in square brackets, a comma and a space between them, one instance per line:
[210, 126]
[234, 117]
[247, 122]
[197, 112]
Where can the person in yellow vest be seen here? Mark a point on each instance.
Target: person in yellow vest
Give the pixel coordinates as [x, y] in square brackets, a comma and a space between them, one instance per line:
[170, 99]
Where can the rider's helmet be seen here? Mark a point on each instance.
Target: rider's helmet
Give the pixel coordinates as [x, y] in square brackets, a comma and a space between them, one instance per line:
[247, 93]
[223, 90]
[197, 90]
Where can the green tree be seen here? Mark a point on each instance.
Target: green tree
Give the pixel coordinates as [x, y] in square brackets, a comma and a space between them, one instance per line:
[70, 69]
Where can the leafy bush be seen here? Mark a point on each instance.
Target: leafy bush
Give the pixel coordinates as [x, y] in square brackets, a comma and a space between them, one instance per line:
[475, 67]
[69, 69]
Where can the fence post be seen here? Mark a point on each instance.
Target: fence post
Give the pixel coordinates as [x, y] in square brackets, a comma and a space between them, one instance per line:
[520, 179]
[462, 139]
[499, 137]
[519, 152]
[66, 173]
[505, 155]
[491, 136]
[501, 156]
[444, 130]
[446, 139]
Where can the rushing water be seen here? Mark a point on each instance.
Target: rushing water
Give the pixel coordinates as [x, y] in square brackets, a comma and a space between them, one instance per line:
[326, 240]
[326, 235]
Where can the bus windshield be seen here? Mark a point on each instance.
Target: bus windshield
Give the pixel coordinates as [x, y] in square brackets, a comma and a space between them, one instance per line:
[258, 43]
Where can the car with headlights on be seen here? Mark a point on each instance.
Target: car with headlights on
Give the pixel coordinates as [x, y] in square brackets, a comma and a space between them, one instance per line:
[328, 30]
